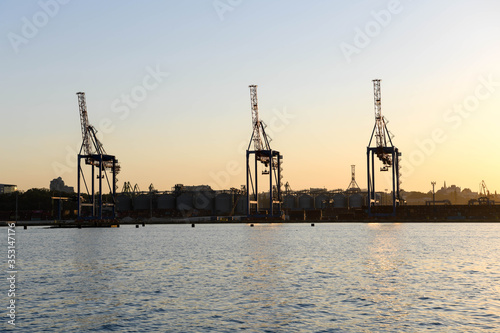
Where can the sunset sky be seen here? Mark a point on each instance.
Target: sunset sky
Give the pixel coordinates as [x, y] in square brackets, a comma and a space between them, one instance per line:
[167, 88]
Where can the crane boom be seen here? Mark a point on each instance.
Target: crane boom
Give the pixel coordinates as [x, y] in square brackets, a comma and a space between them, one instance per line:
[255, 118]
[379, 121]
[380, 126]
[84, 120]
[483, 189]
[91, 144]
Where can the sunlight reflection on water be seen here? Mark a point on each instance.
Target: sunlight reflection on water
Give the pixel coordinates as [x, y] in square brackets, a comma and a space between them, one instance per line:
[272, 277]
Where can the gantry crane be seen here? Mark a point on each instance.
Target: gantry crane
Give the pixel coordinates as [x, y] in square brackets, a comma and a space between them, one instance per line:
[130, 190]
[271, 159]
[386, 152]
[484, 195]
[483, 190]
[93, 153]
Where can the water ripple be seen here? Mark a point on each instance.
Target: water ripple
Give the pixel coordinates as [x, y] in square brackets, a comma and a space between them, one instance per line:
[270, 278]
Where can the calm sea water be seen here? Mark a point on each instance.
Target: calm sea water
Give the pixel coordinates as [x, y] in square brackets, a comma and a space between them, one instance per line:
[269, 278]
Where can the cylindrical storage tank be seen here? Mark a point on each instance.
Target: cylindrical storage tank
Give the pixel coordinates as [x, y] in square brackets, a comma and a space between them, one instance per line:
[355, 200]
[241, 206]
[185, 201]
[306, 202]
[142, 202]
[203, 200]
[339, 201]
[223, 203]
[320, 201]
[289, 202]
[124, 203]
[166, 201]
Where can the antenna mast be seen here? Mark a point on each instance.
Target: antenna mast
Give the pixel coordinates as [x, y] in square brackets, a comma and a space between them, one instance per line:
[353, 185]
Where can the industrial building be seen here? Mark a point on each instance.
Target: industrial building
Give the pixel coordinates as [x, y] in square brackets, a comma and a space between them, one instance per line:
[57, 184]
[182, 201]
[201, 200]
[6, 188]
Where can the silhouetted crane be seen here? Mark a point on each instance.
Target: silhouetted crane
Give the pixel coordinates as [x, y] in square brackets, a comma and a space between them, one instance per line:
[92, 151]
[386, 152]
[267, 156]
[483, 190]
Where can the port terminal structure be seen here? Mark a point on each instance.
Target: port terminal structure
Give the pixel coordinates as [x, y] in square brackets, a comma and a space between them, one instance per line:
[386, 152]
[201, 201]
[104, 167]
[271, 159]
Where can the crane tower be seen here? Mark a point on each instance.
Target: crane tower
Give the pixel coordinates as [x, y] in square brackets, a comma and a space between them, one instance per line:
[93, 153]
[385, 151]
[271, 159]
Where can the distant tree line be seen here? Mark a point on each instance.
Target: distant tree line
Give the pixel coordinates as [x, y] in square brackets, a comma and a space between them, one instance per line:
[41, 203]
[36, 199]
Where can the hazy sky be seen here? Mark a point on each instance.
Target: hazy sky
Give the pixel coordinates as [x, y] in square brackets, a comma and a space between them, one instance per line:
[167, 88]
